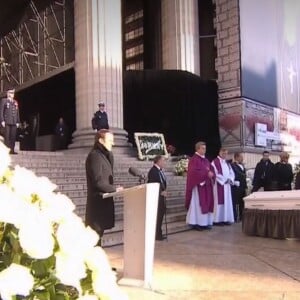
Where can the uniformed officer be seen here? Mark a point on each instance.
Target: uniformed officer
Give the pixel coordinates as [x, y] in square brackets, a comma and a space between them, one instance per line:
[10, 119]
[100, 119]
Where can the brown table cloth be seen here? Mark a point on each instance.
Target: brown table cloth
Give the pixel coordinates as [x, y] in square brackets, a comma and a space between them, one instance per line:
[278, 224]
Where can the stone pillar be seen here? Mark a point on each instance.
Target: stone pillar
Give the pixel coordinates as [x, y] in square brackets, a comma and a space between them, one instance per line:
[180, 35]
[228, 64]
[228, 67]
[98, 67]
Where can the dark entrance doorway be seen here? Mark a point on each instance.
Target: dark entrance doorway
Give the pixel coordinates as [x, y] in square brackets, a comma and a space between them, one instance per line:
[42, 104]
[178, 104]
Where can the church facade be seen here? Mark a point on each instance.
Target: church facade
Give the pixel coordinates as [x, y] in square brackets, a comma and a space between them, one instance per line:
[255, 64]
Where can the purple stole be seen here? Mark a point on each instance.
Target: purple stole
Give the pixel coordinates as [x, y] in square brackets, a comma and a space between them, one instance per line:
[220, 188]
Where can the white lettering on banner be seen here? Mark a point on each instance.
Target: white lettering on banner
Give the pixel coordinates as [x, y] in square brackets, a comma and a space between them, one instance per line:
[150, 144]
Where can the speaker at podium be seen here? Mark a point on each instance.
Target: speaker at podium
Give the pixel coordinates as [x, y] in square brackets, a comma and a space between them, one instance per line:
[140, 211]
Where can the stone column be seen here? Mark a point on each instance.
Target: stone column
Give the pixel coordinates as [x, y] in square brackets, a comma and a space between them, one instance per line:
[228, 64]
[98, 67]
[180, 35]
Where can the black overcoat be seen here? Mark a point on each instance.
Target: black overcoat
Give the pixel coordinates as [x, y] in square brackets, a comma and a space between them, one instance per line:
[100, 212]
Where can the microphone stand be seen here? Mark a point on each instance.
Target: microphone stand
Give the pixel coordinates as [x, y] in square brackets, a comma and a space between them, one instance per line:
[166, 223]
[142, 180]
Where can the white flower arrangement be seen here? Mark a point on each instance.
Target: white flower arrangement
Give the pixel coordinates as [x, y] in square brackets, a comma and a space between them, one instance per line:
[46, 251]
[181, 166]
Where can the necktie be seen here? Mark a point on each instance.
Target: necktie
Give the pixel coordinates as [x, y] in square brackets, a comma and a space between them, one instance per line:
[162, 177]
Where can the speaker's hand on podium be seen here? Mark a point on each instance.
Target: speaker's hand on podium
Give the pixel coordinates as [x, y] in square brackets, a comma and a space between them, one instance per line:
[164, 193]
[119, 188]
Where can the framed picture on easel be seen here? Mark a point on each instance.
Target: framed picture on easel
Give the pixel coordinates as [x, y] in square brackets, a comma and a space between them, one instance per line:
[150, 145]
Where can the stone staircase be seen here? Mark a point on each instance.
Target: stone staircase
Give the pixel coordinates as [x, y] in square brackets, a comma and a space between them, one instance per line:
[67, 170]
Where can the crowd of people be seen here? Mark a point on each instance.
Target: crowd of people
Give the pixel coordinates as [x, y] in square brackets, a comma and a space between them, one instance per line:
[14, 130]
[215, 190]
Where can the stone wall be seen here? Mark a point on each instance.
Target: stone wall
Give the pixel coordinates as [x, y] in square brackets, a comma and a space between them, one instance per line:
[228, 64]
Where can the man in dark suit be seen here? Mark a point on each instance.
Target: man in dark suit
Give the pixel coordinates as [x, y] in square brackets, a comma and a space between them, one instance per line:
[263, 173]
[156, 174]
[100, 212]
[100, 119]
[61, 133]
[239, 187]
[10, 119]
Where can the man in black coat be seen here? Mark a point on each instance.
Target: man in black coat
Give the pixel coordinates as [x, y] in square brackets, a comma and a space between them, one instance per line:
[100, 212]
[61, 133]
[263, 174]
[156, 174]
[240, 186]
[10, 119]
[100, 119]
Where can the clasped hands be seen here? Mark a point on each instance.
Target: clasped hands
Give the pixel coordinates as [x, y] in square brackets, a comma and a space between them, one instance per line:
[164, 193]
[229, 181]
[210, 174]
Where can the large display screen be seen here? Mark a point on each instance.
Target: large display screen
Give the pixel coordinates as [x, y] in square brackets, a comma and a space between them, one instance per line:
[270, 52]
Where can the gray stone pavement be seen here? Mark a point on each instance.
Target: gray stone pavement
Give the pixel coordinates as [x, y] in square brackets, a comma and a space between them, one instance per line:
[220, 264]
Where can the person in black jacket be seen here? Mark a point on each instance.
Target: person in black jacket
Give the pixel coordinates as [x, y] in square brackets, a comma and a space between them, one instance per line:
[283, 173]
[100, 212]
[10, 119]
[61, 133]
[100, 119]
[240, 186]
[263, 174]
[156, 174]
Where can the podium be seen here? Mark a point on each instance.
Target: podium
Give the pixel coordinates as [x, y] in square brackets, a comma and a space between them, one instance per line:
[140, 211]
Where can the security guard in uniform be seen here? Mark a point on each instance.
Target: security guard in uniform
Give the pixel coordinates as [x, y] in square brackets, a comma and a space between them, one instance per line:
[10, 119]
[100, 119]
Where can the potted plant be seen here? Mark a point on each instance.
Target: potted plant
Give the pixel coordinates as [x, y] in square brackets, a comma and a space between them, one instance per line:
[181, 167]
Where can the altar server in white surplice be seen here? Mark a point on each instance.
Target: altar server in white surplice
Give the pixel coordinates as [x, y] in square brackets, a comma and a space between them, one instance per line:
[223, 210]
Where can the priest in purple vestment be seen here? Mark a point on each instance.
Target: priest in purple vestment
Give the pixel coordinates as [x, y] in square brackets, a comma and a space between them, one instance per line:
[199, 199]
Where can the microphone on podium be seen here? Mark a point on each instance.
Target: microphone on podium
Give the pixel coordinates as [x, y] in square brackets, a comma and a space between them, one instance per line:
[137, 173]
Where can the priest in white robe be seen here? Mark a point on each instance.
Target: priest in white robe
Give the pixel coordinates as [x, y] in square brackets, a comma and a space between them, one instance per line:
[223, 210]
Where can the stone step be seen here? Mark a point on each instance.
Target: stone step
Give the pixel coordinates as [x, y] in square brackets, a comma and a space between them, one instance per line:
[68, 172]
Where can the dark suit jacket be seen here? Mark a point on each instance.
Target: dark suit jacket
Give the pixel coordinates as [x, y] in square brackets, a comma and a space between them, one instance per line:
[263, 173]
[99, 174]
[154, 176]
[240, 175]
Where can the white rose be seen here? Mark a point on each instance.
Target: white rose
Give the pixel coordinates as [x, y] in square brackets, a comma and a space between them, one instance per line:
[57, 208]
[13, 210]
[25, 183]
[70, 269]
[15, 280]
[5, 159]
[103, 279]
[36, 237]
[73, 232]
[106, 288]
[43, 187]
[97, 260]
